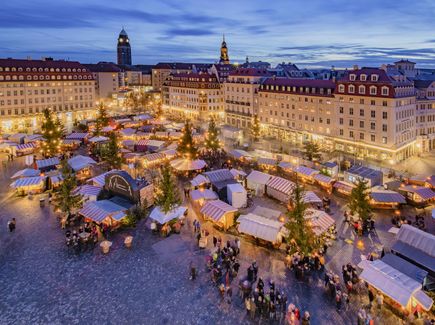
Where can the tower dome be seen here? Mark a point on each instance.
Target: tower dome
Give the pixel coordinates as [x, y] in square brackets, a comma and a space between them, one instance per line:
[224, 59]
[123, 48]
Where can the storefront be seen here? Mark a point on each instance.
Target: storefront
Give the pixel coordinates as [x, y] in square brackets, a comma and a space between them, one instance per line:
[386, 199]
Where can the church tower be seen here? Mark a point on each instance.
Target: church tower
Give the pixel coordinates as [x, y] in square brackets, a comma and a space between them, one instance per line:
[124, 49]
[224, 53]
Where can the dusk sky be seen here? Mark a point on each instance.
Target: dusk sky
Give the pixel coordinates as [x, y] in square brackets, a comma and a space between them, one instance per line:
[309, 33]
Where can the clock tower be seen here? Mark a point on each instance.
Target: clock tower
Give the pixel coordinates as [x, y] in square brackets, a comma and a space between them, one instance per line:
[124, 48]
[224, 52]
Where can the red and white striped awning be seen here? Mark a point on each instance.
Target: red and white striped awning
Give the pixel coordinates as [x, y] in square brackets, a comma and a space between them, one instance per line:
[216, 209]
[320, 221]
[26, 146]
[281, 184]
[77, 136]
[154, 156]
[100, 210]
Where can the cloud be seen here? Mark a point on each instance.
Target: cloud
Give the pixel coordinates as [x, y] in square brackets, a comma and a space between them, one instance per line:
[173, 32]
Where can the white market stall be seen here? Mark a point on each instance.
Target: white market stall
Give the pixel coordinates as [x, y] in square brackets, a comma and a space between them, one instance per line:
[88, 192]
[219, 212]
[199, 197]
[199, 181]
[79, 163]
[160, 217]
[26, 172]
[183, 164]
[29, 184]
[280, 188]
[309, 197]
[99, 139]
[237, 195]
[104, 211]
[400, 290]
[261, 227]
[320, 222]
[256, 181]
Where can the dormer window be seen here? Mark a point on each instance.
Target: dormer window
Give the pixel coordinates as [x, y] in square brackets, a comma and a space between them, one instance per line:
[385, 91]
[375, 77]
[352, 77]
[351, 89]
[362, 90]
[341, 88]
[363, 77]
[373, 90]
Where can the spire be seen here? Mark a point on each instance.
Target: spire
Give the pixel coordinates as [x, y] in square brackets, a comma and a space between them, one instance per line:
[224, 59]
[223, 38]
[247, 59]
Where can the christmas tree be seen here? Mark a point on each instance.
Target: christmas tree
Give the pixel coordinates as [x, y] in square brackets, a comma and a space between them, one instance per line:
[212, 140]
[167, 196]
[255, 128]
[66, 200]
[102, 119]
[300, 230]
[186, 147]
[359, 200]
[52, 131]
[110, 152]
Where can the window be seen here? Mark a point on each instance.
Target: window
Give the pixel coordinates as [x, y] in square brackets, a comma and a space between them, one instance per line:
[341, 110]
[373, 102]
[384, 103]
[384, 115]
[384, 140]
[372, 138]
[385, 91]
[361, 101]
[361, 136]
[351, 134]
[362, 89]
[351, 89]
[373, 114]
[374, 77]
[363, 77]
[341, 88]
[351, 110]
[384, 127]
[373, 90]
[341, 121]
[352, 77]
[350, 122]
[361, 124]
[341, 132]
[361, 112]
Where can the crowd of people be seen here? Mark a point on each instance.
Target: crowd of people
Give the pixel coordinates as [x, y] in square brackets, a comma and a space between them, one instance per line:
[79, 240]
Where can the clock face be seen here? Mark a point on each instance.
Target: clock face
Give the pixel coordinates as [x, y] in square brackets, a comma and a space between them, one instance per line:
[126, 40]
[121, 40]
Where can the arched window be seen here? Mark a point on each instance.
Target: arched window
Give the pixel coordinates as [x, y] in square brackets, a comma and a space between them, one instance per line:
[363, 77]
[351, 89]
[373, 90]
[362, 89]
[385, 91]
[341, 88]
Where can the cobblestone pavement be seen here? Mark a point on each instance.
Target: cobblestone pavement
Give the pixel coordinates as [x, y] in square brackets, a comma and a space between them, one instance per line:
[43, 283]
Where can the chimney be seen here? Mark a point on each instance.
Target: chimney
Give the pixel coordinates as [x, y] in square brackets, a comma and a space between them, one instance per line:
[355, 67]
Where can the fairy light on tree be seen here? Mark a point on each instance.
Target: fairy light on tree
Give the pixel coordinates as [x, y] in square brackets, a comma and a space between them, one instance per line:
[52, 131]
[212, 140]
[186, 147]
[255, 128]
[102, 119]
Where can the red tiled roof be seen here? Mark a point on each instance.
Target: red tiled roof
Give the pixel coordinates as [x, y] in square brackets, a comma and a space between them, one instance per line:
[251, 72]
[382, 75]
[312, 83]
[21, 63]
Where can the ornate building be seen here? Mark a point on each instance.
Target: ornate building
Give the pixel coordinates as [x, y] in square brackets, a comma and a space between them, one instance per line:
[124, 48]
[224, 53]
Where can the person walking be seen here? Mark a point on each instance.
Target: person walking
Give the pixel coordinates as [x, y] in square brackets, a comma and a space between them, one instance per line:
[306, 318]
[214, 241]
[192, 271]
[371, 298]
[12, 225]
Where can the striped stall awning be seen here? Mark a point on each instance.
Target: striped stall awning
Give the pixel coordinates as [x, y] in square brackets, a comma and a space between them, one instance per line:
[344, 186]
[387, 197]
[77, 136]
[88, 190]
[43, 163]
[199, 180]
[56, 179]
[70, 142]
[425, 193]
[307, 171]
[267, 161]
[320, 221]
[28, 181]
[154, 156]
[216, 209]
[281, 184]
[150, 143]
[323, 178]
[311, 197]
[285, 165]
[99, 210]
[219, 175]
[205, 194]
[100, 180]
[26, 146]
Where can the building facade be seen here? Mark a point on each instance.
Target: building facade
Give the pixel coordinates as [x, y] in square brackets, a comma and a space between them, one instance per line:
[196, 96]
[108, 79]
[123, 49]
[240, 92]
[425, 115]
[27, 87]
[162, 70]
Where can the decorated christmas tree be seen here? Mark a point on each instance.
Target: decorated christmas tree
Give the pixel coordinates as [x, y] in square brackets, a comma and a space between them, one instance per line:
[110, 152]
[66, 200]
[167, 196]
[359, 200]
[255, 128]
[102, 119]
[186, 146]
[52, 131]
[212, 139]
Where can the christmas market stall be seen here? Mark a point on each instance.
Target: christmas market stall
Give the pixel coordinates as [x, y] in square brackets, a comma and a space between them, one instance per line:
[199, 181]
[256, 182]
[81, 165]
[430, 182]
[220, 213]
[99, 139]
[237, 195]
[149, 145]
[104, 212]
[26, 172]
[309, 197]
[325, 182]
[162, 218]
[371, 176]
[70, 144]
[322, 224]
[200, 196]
[88, 192]
[306, 174]
[152, 160]
[79, 136]
[343, 188]
[185, 165]
[400, 291]
[418, 195]
[385, 199]
[47, 164]
[280, 189]
[219, 180]
[261, 228]
[267, 163]
[25, 149]
[31, 185]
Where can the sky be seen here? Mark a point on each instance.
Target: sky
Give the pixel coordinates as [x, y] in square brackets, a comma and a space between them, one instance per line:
[310, 33]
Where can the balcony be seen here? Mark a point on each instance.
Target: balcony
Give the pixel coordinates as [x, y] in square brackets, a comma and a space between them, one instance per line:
[237, 103]
[238, 113]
